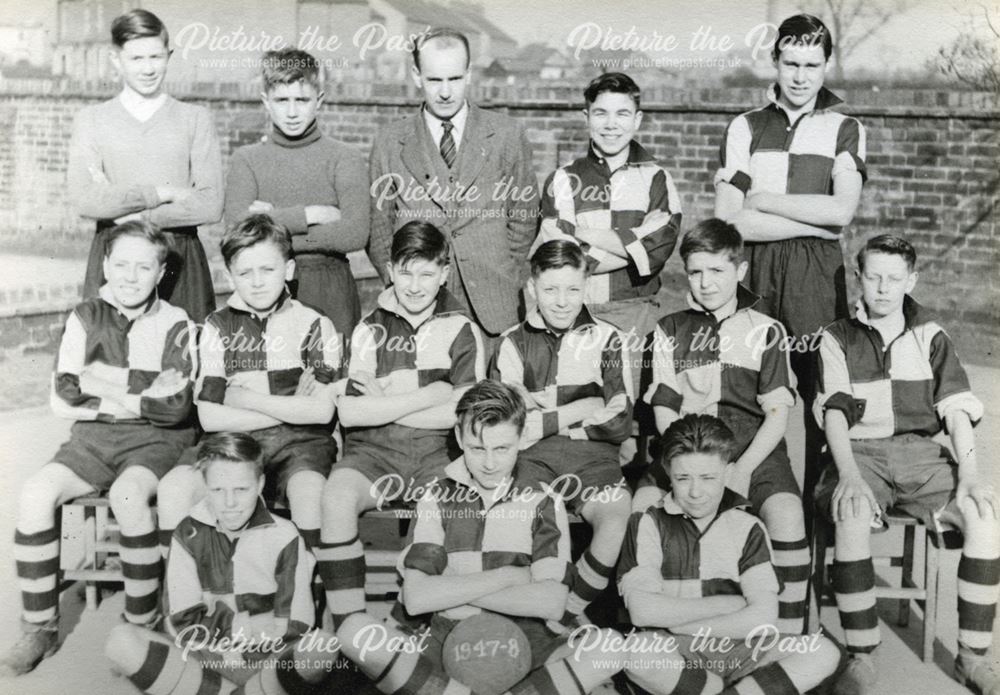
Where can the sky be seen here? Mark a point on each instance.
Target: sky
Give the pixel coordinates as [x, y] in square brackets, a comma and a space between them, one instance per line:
[908, 40]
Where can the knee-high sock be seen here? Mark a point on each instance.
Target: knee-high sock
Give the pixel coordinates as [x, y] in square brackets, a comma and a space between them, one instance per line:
[166, 671]
[37, 556]
[854, 588]
[791, 563]
[142, 567]
[164, 535]
[311, 538]
[342, 568]
[978, 581]
[767, 680]
[587, 580]
[414, 674]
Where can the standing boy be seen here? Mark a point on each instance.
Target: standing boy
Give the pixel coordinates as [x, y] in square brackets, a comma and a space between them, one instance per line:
[698, 566]
[411, 359]
[790, 180]
[315, 186]
[268, 367]
[722, 357]
[575, 377]
[890, 380]
[622, 208]
[484, 543]
[124, 372]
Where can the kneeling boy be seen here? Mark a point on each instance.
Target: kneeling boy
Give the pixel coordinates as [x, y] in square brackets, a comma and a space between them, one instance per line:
[698, 566]
[124, 373]
[484, 542]
[890, 379]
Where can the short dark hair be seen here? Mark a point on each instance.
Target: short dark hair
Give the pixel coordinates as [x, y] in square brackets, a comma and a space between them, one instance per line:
[142, 230]
[253, 230]
[138, 24]
[889, 244]
[713, 236]
[802, 30]
[288, 66]
[236, 447]
[697, 434]
[447, 36]
[617, 82]
[419, 240]
[490, 403]
[557, 253]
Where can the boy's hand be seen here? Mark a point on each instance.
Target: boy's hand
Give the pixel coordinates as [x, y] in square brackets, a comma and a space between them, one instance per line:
[322, 214]
[172, 194]
[849, 497]
[368, 384]
[307, 383]
[259, 206]
[738, 479]
[654, 220]
[235, 396]
[131, 217]
[981, 493]
[166, 383]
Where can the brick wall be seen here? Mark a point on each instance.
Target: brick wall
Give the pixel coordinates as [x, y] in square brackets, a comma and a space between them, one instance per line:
[932, 162]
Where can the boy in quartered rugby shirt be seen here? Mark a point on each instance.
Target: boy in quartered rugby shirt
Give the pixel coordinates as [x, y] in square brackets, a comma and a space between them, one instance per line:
[698, 564]
[269, 366]
[124, 372]
[484, 542]
[890, 378]
[574, 375]
[722, 357]
[411, 359]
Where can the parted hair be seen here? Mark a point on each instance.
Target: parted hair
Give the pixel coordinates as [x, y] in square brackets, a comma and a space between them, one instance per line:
[890, 244]
[490, 403]
[288, 66]
[137, 24]
[557, 253]
[696, 434]
[617, 82]
[253, 230]
[713, 236]
[139, 229]
[418, 240]
[235, 447]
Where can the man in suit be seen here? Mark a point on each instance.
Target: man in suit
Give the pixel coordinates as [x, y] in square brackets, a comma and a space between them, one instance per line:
[467, 171]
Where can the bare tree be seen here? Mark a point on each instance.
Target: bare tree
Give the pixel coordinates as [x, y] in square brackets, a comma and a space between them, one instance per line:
[973, 58]
[852, 22]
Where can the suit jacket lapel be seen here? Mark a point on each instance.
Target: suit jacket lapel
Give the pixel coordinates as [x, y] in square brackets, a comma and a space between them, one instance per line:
[472, 151]
[419, 161]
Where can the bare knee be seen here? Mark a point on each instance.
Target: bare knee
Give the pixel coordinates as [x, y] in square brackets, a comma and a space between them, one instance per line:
[782, 514]
[344, 496]
[176, 493]
[305, 495]
[126, 647]
[129, 498]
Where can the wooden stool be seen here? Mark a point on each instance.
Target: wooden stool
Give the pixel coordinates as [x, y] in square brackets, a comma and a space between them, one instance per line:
[97, 533]
[926, 596]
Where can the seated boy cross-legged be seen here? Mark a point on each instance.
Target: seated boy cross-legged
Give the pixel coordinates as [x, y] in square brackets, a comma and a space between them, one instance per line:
[574, 374]
[696, 569]
[268, 368]
[237, 594]
[484, 544]
[890, 379]
[410, 360]
[722, 357]
[123, 373]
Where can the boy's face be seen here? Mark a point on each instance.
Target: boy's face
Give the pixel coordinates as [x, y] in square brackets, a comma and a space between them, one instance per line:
[713, 278]
[259, 274]
[885, 281]
[233, 489]
[559, 293]
[443, 77]
[698, 482]
[417, 282]
[490, 455]
[142, 63]
[801, 71]
[133, 270]
[613, 120]
[292, 107]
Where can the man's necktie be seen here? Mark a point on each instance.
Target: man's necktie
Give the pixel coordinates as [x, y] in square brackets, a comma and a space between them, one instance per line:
[448, 149]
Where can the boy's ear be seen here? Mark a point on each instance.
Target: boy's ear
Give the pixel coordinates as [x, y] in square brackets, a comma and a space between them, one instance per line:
[445, 271]
[319, 98]
[415, 76]
[389, 272]
[289, 270]
[458, 434]
[163, 270]
[260, 486]
[741, 270]
[532, 292]
[911, 282]
[638, 119]
[586, 116]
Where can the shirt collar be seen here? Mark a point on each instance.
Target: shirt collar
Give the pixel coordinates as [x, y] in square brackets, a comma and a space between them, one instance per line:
[745, 299]
[825, 99]
[236, 302]
[151, 305]
[435, 124]
[139, 106]
[913, 313]
[730, 500]
[637, 154]
[259, 517]
[583, 322]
